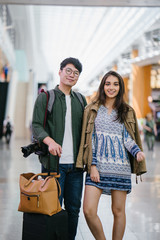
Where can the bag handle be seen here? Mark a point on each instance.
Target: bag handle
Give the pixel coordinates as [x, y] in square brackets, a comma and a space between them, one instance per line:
[59, 188]
[58, 185]
[45, 180]
[41, 174]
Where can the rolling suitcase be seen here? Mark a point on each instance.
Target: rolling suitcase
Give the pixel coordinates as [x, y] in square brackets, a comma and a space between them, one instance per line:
[44, 227]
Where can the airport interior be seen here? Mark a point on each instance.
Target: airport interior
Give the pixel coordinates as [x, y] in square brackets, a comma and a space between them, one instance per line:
[35, 36]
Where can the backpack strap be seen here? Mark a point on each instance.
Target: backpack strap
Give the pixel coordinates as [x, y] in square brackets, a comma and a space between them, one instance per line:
[51, 94]
[80, 98]
[45, 116]
[51, 99]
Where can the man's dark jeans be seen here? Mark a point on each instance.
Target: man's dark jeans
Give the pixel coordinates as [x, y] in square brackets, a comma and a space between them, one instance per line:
[71, 182]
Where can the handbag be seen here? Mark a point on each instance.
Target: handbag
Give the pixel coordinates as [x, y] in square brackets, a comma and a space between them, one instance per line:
[39, 195]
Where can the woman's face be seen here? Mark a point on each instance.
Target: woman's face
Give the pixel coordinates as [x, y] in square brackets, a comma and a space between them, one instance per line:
[111, 87]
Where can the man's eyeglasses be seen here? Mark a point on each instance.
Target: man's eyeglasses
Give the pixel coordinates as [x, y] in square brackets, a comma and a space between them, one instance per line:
[69, 71]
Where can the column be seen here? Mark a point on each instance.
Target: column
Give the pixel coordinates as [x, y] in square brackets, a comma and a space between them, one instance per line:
[126, 97]
[141, 89]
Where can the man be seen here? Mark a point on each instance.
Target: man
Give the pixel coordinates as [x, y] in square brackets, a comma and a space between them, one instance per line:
[62, 134]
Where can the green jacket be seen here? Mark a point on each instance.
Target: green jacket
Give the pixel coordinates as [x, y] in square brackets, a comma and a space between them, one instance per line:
[55, 123]
[84, 159]
[150, 124]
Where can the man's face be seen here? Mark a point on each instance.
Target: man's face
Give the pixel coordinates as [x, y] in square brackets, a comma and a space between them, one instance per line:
[69, 75]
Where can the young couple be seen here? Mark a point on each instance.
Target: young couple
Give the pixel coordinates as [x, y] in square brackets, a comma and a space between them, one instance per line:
[103, 139]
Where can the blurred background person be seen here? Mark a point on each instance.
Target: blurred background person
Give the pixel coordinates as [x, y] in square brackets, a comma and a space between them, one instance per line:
[7, 129]
[5, 70]
[150, 131]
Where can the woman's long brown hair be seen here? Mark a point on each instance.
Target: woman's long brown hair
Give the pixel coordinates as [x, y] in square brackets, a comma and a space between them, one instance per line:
[119, 104]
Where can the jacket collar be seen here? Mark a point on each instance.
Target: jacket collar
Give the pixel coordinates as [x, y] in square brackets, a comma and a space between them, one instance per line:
[61, 93]
[95, 106]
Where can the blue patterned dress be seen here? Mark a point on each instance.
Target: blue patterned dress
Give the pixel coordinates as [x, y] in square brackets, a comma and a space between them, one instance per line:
[110, 142]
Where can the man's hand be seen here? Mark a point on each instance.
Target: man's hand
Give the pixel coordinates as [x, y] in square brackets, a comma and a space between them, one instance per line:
[140, 156]
[53, 147]
[94, 174]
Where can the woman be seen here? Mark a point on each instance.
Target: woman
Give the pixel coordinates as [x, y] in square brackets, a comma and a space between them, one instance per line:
[110, 150]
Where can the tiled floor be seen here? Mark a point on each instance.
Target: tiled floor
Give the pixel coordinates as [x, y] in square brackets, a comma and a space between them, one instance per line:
[142, 208]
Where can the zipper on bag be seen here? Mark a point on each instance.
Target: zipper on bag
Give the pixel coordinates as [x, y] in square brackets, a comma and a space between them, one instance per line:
[34, 195]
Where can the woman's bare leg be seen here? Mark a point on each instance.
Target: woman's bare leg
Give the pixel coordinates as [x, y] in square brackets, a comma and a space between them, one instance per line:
[90, 207]
[118, 209]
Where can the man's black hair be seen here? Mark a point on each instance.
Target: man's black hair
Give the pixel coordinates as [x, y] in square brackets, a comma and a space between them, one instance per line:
[73, 61]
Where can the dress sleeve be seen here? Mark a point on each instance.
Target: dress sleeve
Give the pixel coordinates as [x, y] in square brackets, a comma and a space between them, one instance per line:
[130, 144]
[94, 147]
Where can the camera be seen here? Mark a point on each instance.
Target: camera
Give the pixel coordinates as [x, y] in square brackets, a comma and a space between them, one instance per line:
[37, 148]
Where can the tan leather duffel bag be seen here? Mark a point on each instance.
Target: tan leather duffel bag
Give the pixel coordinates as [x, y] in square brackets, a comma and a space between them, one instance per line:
[38, 194]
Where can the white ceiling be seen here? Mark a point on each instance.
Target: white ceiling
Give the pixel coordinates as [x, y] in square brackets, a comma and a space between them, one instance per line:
[131, 3]
[95, 35]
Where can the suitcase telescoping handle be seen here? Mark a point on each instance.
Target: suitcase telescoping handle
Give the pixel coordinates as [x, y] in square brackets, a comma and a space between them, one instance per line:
[49, 164]
[44, 125]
